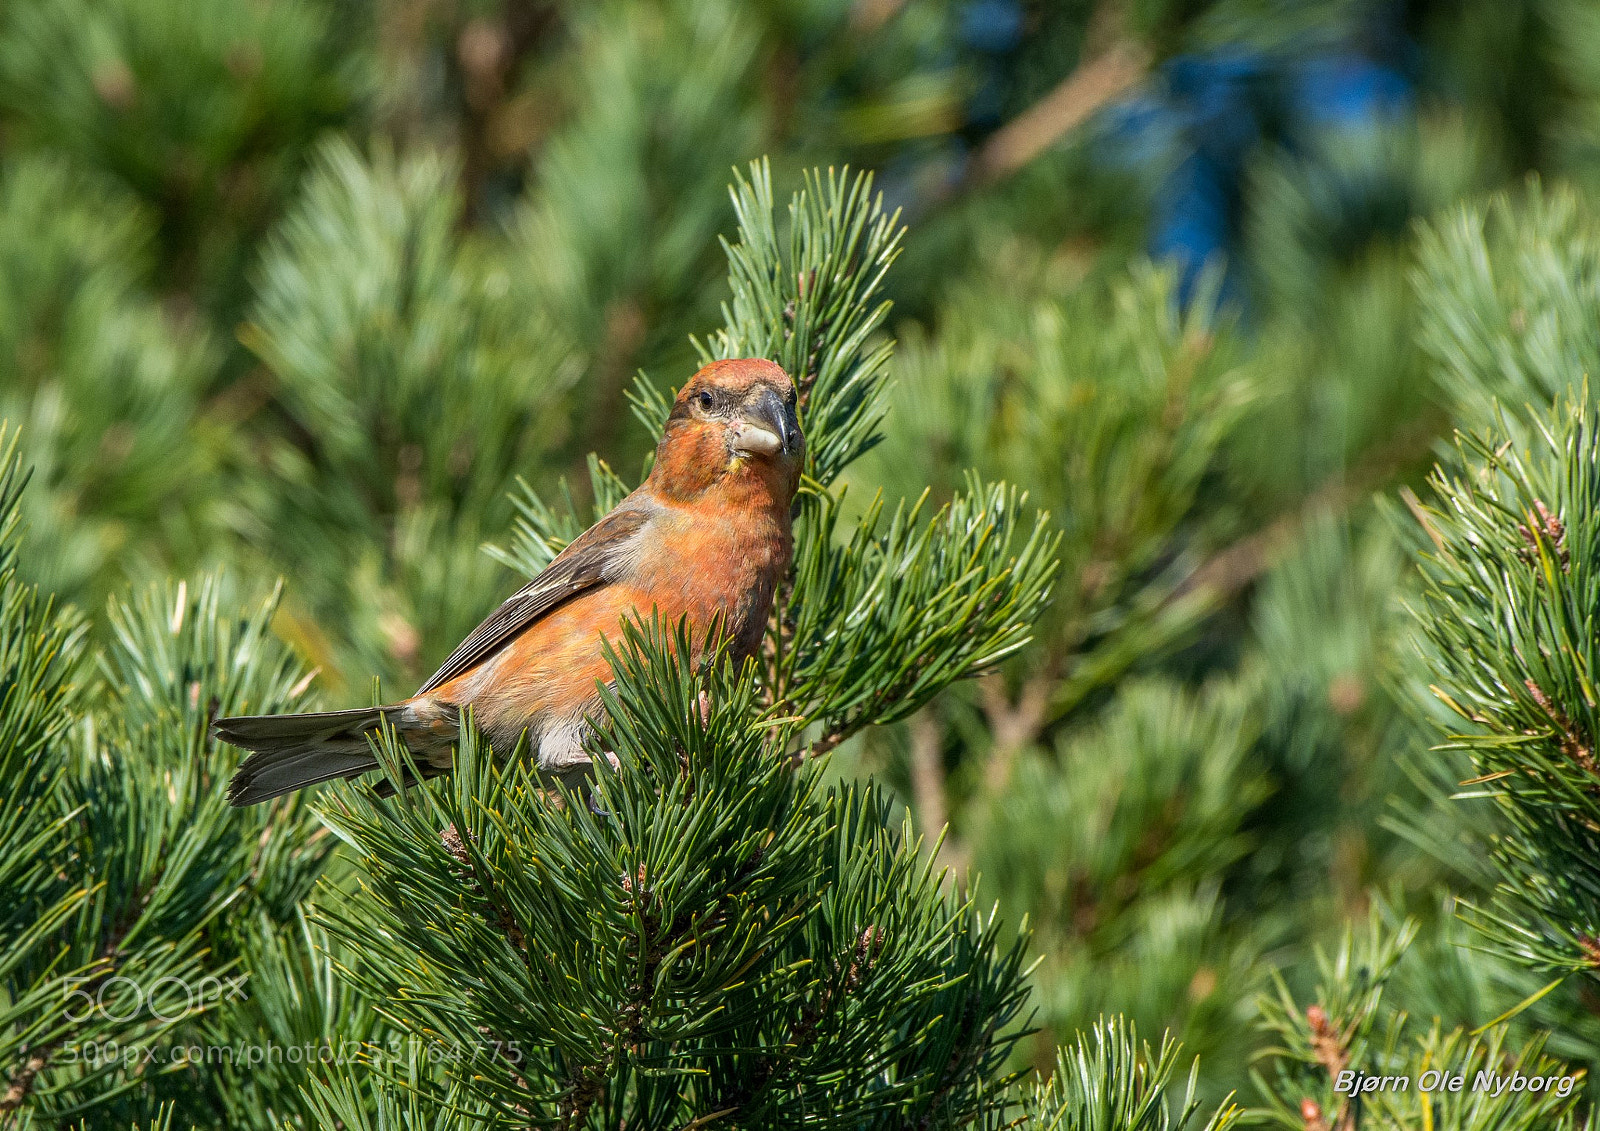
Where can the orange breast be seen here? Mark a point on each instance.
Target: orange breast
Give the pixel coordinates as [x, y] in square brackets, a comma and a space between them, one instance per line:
[717, 567]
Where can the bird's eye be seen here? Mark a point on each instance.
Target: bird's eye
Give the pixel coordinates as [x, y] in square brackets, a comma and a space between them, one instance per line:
[792, 399]
[705, 399]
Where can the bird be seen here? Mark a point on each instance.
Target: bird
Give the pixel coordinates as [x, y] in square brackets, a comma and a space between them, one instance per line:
[705, 537]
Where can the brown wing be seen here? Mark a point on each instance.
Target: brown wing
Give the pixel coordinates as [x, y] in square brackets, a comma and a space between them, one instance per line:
[593, 558]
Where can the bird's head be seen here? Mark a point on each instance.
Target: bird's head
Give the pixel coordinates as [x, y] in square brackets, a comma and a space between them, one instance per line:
[733, 418]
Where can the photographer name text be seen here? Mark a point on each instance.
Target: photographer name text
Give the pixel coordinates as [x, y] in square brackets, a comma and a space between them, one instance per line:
[1351, 1082]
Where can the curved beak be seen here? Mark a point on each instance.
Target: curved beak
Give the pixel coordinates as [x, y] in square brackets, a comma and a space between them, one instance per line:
[766, 426]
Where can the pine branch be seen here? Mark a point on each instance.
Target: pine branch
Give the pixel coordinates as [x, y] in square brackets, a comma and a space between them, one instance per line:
[1108, 1080]
[1503, 626]
[707, 899]
[1325, 1055]
[878, 628]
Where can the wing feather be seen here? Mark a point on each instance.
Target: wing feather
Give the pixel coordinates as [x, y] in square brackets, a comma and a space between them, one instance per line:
[593, 558]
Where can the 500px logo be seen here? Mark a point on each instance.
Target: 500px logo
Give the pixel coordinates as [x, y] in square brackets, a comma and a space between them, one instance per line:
[166, 999]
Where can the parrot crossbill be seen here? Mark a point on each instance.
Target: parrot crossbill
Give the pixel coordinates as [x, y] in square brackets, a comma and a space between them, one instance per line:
[706, 536]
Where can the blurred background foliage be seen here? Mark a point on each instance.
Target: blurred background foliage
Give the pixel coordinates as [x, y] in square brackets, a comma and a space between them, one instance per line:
[303, 287]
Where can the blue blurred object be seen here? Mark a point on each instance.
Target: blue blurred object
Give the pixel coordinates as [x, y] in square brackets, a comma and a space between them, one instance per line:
[1207, 113]
[992, 26]
[1217, 95]
[1203, 118]
[1193, 223]
[1348, 90]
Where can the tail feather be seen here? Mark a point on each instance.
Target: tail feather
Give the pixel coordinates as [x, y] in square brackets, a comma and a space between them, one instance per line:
[291, 751]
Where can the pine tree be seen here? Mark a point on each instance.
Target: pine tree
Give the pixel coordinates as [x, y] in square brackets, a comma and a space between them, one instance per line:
[228, 341]
[134, 891]
[755, 947]
[1501, 614]
[723, 934]
[203, 111]
[419, 379]
[104, 384]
